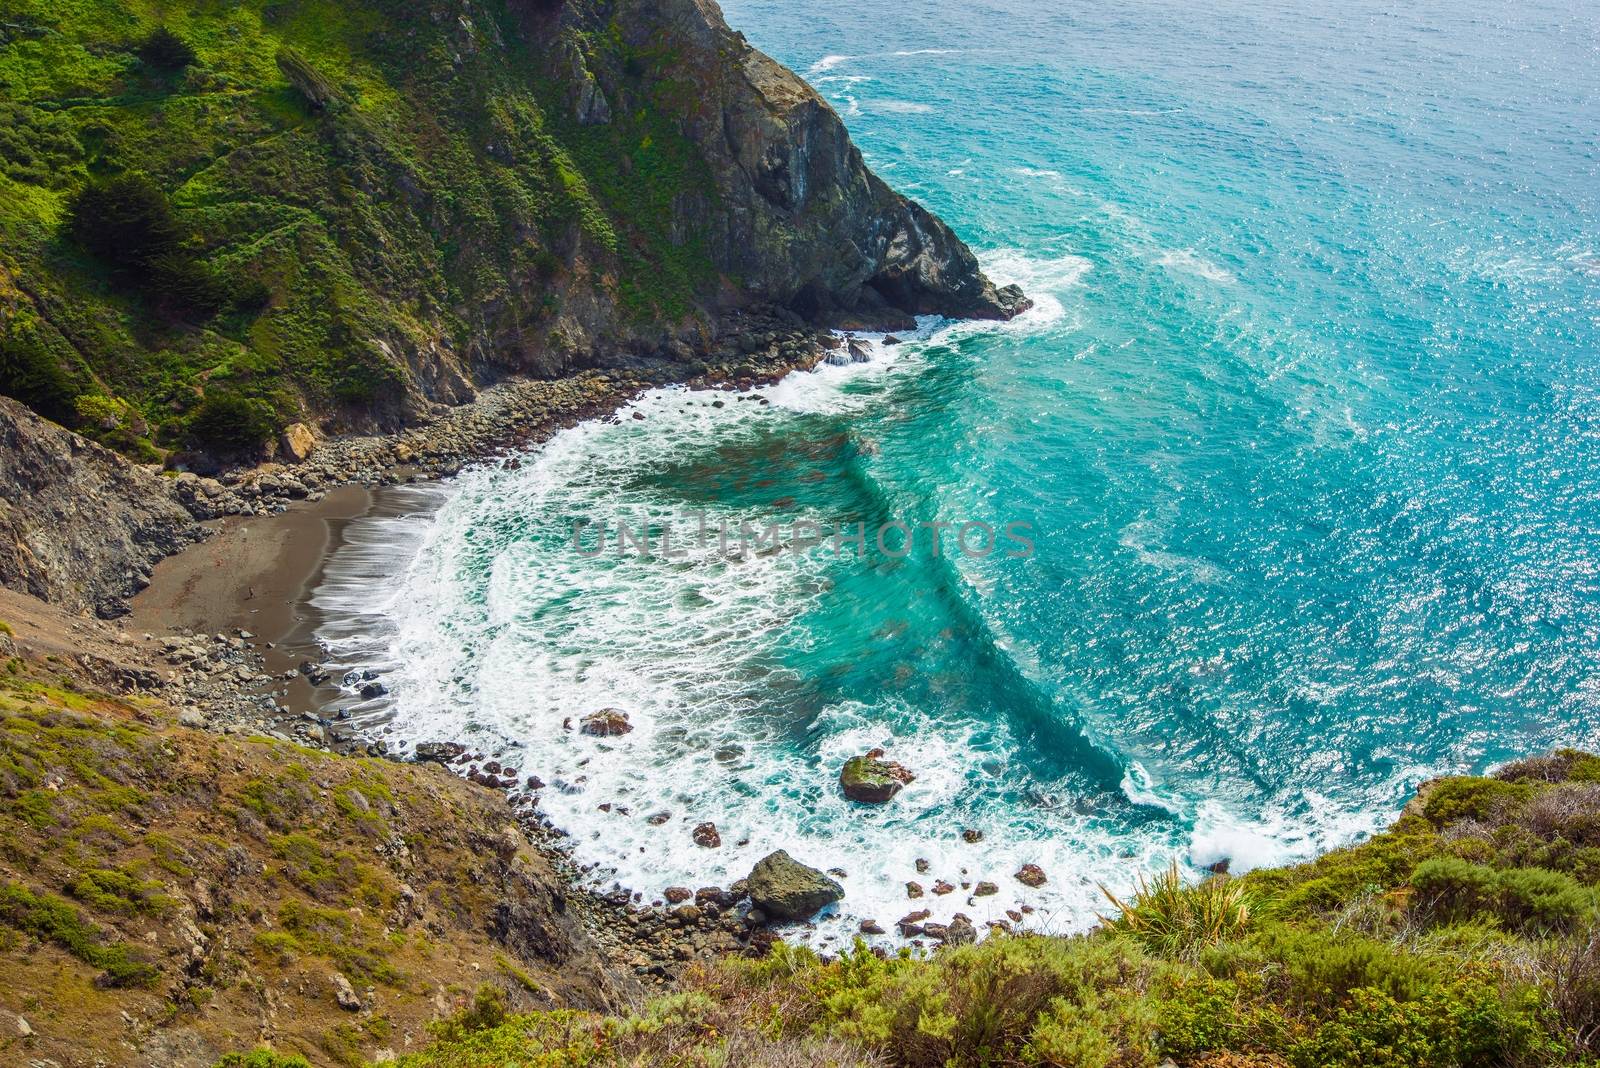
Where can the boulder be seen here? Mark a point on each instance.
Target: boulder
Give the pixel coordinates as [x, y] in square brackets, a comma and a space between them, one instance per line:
[705, 835]
[985, 889]
[871, 780]
[296, 443]
[344, 993]
[785, 889]
[606, 723]
[1031, 875]
[437, 752]
[959, 931]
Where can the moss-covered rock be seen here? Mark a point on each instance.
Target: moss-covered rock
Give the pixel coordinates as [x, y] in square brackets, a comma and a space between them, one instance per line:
[871, 780]
[785, 889]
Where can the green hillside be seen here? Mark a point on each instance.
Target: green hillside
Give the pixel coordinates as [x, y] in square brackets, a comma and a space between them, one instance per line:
[333, 209]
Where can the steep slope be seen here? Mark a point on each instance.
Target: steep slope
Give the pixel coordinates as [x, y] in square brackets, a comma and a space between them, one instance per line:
[167, 894]
[350, 212]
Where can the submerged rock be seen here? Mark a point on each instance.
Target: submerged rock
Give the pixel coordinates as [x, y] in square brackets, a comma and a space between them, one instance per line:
[871, 780]
[785, 889]
[606, 723]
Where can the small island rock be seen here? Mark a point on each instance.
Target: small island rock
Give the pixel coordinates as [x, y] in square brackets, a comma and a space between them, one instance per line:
[871, 780]
[606, 723]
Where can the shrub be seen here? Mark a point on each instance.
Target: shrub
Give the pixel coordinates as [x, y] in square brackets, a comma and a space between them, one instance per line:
[1569, 811]
[1178, 921]
[487, 1011]
[1467, 1024]
[164, 50]
[1563, 765]
[1321, 967]
[35, 372]
[128, 223]
[1571, 970]
[230, 424]
[1471, 797]
[49, 918]
[125, 221]
[1529, 899]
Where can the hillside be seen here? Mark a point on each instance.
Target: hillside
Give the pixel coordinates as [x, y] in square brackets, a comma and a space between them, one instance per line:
[218, 220]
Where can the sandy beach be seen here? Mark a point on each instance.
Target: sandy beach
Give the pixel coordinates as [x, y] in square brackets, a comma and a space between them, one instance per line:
[256, 575]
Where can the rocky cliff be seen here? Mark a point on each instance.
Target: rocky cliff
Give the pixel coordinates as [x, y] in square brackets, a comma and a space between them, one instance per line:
[249, 215]
[80, 526]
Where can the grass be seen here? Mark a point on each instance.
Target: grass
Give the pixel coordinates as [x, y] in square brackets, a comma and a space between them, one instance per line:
[1177, 920]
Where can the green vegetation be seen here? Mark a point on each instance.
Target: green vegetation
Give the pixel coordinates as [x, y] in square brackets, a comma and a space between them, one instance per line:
[164, 50]
[1436, 944]
[51, 919]
[218, 219]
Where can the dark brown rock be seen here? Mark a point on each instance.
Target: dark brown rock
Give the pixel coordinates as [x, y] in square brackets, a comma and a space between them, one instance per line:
[606, 723]
[1031, 875]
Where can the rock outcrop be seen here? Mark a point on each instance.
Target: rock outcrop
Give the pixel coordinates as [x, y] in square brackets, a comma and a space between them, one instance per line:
[795, 213]
[785, 889]
[872, 780]
[80, 525]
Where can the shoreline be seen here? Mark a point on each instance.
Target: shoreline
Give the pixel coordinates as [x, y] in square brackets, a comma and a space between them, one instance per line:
[234, 620]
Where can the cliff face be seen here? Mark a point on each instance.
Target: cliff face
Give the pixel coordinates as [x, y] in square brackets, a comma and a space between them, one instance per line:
[366, 209]
[793, 212]
[80, 526]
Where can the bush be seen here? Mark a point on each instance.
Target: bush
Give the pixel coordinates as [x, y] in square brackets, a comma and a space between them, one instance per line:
[1563, 765]
[487, 1011]
[230, 424]
[1471, 797]
[1528, 899]
[1467, 1024]
[49, 918]
[35, 372]
[1571, 968]
[126, 222]
[1178, 921]
[166, 51]
[1321, 967]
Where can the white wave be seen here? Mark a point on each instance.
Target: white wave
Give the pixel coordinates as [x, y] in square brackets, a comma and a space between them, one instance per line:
[901, 107]
[1188, 261]
[1046, 281]
[827, 63]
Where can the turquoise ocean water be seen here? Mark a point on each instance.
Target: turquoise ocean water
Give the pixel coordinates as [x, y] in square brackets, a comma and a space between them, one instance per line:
[1306, 425]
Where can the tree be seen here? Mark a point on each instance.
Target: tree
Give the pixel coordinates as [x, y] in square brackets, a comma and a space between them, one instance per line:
[164, 50]
[126, 221]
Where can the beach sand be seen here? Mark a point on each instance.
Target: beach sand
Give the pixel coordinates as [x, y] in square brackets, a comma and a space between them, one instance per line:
[256, 575]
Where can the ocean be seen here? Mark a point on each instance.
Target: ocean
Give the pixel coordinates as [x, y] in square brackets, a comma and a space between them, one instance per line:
[1304, 431]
